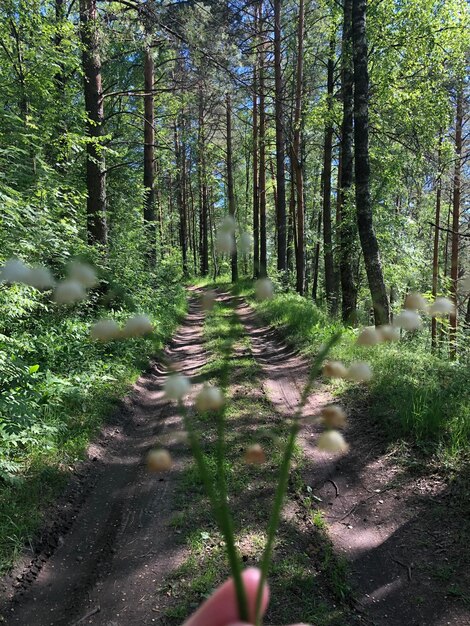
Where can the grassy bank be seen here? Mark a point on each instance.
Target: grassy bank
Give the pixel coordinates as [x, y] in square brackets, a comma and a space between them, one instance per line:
[307, 582]
[417, 396]
[58, 387]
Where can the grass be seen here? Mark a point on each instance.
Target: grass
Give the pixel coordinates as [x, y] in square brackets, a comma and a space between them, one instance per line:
[414, 395]
[57, 389]
[317, 591]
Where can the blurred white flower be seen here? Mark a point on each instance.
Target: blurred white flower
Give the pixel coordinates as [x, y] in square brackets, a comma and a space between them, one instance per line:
[84, 274]
[442, 306]
[209, 399]
[228, 225]
[335, 369]
[332, 441]
[137, 326]
[246, 243]
[105, 330]
[224, 242]
[359, 372]
[409, 320]
[333, 416]
[159, 460]
[69, 292]
[369, 336]
[264, 289]
[177, 386]
[415, 302]
[40, 278]
[389, 333]
[255, 455]
[14, 271]
[208, 300]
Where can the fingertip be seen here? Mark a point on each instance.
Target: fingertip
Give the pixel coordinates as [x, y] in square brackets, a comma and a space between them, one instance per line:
[251, 580]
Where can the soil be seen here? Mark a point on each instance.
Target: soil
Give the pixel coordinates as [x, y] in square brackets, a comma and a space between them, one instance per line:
[405, 536]
[108, 543]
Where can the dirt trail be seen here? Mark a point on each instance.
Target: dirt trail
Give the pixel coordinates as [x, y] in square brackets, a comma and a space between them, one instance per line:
[106, 569]
[379, 517]
[110, 543]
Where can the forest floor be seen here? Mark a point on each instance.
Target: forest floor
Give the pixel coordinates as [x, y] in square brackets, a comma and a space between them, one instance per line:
[123, 546]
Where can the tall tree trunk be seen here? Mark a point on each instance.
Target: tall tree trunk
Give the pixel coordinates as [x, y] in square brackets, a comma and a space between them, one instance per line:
[180, 158]
[454, 268]
[280, 142]
[327, 158]
[297, 154]
[149, 155]
[95, 164]
[204, 247]
[255, 160]
[347, 230]
[435, 258]
[365, 225]
[230, 189]
[316, 258]
[262, 151]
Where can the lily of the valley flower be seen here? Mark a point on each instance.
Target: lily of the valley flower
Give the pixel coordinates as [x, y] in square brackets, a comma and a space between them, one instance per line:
[389, 333]
[369, 336]
[264, 289]
[359, 372]
[335, 369]
[159, 460]
[255, 455]
[332, 441]
[137, 326]
[177, 387]
[224, 242]
[333, 416]
[415, 302]
[84, 274]
[209, 399]
[105, 330]
[228, 225]
[442, 306]
[408, 320]
[69, 292]
[246, 243]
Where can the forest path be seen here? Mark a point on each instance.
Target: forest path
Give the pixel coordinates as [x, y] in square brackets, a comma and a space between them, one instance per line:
[114, 549]
[121, 544]
[382, 519]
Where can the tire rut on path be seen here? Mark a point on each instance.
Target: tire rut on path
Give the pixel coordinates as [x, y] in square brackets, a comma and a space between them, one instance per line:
[377, 516]
[107, 568]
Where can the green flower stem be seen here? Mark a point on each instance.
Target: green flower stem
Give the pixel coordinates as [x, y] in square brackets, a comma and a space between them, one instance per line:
[222, 513]
[284, 473]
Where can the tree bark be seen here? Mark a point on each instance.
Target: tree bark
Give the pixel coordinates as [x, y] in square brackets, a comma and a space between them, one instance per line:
[347, 229]
[203, 199]
[365, 225]
[280, 142]
[454, 263]
[435, 258]
[297, 154]
[255, 159]
[95, 163]
[149, 156]
[180, 159]
[230, 189]
[327, 157]
[262, 152]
